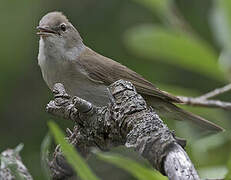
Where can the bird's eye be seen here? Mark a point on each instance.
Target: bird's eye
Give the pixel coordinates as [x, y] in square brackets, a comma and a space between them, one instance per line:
[63, 27]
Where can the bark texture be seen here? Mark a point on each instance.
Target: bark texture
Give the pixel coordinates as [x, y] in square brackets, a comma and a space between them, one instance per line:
[11, 165]
[125, 121]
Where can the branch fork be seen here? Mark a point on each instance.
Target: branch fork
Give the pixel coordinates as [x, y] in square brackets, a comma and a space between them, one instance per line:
[205, 100]
[125, 121]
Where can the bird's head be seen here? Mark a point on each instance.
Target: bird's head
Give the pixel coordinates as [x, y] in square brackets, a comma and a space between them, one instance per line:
[55, 29]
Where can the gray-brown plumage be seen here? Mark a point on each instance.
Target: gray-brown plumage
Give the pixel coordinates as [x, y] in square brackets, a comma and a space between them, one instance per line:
[64, 58]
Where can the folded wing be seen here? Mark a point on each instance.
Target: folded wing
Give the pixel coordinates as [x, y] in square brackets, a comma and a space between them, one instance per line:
[101, 69]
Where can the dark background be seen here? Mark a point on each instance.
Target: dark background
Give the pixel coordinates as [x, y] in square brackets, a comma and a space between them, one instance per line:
[102, 24]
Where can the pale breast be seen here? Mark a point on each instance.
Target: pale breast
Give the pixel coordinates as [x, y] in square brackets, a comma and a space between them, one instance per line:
[72, 76]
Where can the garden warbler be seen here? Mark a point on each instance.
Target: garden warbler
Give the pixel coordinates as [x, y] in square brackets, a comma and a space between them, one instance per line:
[64, 58]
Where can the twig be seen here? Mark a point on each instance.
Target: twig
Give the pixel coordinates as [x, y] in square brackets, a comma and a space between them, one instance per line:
[204, 99]
[216, 92]
[126, 121]
[205, 103]
[11, 165]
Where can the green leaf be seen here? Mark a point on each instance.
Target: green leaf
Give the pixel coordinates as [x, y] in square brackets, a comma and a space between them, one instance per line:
[221, 22]
[137, 170]
[176, 48]
[15, 172]
[221, 26]
[45, 146]
[76, 161]
[215, 172]
[164, 9]
[226, 6]
[228, 175]
[225, 62]
[160, 6]
[209, 142]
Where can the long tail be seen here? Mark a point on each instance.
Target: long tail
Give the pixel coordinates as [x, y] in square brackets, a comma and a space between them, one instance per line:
[171, 111]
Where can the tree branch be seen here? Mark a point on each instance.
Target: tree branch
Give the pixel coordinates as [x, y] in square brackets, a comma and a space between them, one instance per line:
[126, 121]
[204, 99]
[216, 92]
[11, 165]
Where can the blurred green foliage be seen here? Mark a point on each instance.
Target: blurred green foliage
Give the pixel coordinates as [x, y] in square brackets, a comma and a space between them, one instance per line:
[181, 46]
[221, 24]
[44, 154]
[137, 170]
[81, 168]
[174, 47]
[11, 162]
[228, 174]
[74, 159]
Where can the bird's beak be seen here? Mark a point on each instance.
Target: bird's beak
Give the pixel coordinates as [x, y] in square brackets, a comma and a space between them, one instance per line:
[44, 31]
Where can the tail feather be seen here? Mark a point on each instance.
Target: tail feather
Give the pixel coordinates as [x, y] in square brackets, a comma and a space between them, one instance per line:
[171, 111]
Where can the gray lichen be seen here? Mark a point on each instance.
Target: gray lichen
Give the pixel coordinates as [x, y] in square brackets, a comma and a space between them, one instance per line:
[125, 121]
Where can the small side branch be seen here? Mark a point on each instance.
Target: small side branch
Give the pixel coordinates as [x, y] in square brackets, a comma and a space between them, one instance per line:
[205, 103]
[204, 100]
[216, 92]
[125, 121]
[11, 165]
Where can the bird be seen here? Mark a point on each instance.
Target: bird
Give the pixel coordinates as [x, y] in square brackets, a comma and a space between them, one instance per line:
[64, 58]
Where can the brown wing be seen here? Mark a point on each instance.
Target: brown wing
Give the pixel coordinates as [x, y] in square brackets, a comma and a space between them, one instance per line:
[105, 70]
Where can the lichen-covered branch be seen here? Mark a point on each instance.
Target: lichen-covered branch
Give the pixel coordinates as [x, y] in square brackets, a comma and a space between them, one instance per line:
[204, 100]
[11, 165]
[125, 121]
